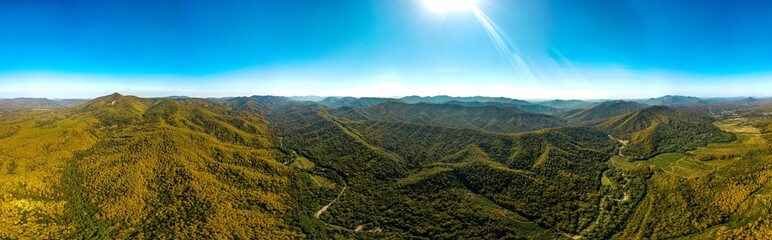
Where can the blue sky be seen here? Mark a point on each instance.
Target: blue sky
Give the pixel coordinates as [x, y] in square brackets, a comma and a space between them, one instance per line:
[574, 48]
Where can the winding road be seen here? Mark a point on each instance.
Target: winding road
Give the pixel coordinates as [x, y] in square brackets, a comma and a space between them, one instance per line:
[323, 209]
[623, 142]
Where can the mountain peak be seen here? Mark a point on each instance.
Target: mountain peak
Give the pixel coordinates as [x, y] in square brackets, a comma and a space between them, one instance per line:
[607, 109]
[117, 103]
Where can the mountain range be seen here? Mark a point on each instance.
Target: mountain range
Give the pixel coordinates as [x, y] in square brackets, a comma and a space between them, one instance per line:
[272, 167]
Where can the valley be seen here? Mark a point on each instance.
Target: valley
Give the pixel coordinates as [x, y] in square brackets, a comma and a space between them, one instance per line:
[390, 119]
[269, 167]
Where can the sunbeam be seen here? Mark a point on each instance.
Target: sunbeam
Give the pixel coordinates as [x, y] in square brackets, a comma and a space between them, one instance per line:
[505, 46]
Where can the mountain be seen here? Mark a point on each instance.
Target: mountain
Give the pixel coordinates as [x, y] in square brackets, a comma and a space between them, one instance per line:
[489, 118]
[567, 104]
[394, 172]
[29, 103]
[661, 129]
[126, 167]
[177, 97]
[267, 167]
[336, 102]
[728, 106]
[116, 109]
[760, 110]
[482, 101]
[670, 100]
[257, 104]
[307, 98]
[444, 99]
[37, 103]
[532, 108]
[605, 110]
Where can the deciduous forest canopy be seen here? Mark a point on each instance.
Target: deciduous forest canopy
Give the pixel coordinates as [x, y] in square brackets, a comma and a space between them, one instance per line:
[271, 167]
[385, 119]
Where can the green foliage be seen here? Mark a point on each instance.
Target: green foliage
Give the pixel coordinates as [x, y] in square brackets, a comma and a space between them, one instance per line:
[660, 129]
[676, 207]
[550, 176]
[122, 167]
[488, 118]
[604, 110]
[265, 168]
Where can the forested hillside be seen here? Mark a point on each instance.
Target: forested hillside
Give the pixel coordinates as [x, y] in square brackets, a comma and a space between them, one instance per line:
[335, 102]
[489, 118]
[35, 104]
[377, 160]
[124, 167]
[604, 110]
[265, 167]
[671, 100]
[568, 104]
[660, 129]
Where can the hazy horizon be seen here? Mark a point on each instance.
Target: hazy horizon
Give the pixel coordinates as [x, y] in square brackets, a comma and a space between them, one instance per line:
[321, 97]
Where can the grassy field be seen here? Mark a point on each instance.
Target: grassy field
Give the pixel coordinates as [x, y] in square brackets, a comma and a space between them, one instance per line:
[303, 163]
[624, 163]
[323, 182]
[705, 160]
[605, 181]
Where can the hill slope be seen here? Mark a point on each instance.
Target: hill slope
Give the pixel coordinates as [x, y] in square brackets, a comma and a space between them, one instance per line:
[264, 167]
[489, 118]
[567, 104]
[387, 165]
[482, 101]
[660, 129]
[671, 100]
[336, 102]
[124, 167]
[605, 110]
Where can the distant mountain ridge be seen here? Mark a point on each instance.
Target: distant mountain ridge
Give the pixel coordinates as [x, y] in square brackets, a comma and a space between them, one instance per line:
[605, 110]
[249, 167]
[38, 103]
[489, 118]
[673, 100]
[567, 104]
[336, 102]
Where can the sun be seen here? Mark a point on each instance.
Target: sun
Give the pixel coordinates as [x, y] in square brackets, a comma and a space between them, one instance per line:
[445, 6]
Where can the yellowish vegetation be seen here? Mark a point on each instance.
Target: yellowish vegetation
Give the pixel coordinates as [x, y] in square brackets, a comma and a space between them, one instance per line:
[33, 157]
[303, 163]
[704, 160]
[698, 190]
[122, 167]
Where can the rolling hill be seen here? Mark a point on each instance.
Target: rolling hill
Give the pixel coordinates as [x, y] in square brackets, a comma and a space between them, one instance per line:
[661, 129]
[489, 118]
[671, 100]
[604, 110]
[336, 102]
[125, 167]
[394, 157]
[257, 104]
[567, 104]
[22, 104]
[445, 99]
[266, 167]
[483, 101]
[365, 102]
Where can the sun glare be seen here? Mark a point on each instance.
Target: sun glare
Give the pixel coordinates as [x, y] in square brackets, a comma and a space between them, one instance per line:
[445, 6]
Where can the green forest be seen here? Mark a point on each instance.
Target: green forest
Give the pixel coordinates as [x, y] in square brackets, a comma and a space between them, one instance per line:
[266, 167]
